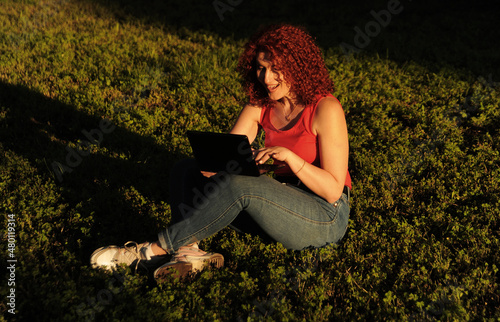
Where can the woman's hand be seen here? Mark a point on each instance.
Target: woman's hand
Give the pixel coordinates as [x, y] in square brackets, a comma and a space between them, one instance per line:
[277, 153]
[208, 174]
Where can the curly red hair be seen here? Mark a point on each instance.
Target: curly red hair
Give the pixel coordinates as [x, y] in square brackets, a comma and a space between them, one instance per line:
[295, 54]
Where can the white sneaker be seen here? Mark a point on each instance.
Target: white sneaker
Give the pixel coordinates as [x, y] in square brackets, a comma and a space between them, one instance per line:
[188, 259]
[131, 254]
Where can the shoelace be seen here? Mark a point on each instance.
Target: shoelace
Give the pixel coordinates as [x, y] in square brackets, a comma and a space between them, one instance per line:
[186, 251]
[134, 250]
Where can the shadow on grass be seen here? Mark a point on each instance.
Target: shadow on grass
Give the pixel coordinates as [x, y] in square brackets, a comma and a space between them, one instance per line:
[101, 185]
[435, 34]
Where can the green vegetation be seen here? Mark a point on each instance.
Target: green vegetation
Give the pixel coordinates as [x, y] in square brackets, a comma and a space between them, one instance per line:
[95, 98]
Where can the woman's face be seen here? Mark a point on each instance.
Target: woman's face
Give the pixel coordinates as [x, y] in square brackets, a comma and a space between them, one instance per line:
[272, 80]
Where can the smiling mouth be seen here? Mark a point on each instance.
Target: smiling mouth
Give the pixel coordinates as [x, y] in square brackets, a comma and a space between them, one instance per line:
[272, 87]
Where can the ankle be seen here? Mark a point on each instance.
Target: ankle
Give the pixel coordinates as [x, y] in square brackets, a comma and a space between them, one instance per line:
[157, 250]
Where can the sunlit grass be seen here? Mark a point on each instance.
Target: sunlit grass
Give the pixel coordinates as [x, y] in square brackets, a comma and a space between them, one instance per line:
[423, 238]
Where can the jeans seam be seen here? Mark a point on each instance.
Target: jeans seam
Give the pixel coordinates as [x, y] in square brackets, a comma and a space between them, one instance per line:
[216, 220]
[170, 242]
[321, 223]
[163, 241]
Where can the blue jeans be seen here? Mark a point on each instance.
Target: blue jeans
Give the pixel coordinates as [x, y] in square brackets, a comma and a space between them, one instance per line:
[287, 214]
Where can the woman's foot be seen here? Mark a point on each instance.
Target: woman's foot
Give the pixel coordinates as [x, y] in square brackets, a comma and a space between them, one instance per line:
[188, 260]
[131, 254]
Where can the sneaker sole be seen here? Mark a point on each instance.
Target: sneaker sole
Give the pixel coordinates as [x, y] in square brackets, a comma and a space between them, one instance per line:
[200, 262]
[183, 269]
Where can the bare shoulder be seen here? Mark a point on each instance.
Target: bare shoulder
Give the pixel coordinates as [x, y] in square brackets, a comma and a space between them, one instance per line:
[254, 106]
[328, 112]
[252, 111]
[248, 121]
[328, 105]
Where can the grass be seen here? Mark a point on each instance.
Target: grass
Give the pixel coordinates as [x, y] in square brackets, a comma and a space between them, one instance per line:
[95, 98]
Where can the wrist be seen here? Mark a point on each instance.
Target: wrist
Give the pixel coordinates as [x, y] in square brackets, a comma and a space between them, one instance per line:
[301, 167]
[297, 164]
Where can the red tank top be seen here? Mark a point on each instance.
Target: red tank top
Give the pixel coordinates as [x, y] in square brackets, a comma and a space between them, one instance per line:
[299, 139]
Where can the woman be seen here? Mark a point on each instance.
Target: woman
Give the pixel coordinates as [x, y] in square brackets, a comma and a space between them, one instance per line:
[306, 205]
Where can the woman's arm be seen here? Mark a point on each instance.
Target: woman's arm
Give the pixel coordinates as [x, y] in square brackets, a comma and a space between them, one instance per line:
[328, 180]
[330, 126]
[248, 122]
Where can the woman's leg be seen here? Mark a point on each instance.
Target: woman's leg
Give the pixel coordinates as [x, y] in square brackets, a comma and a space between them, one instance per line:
[287, 214]
[185, 188]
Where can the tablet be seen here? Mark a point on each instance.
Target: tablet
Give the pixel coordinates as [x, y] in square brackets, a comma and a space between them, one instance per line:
[232, 153]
